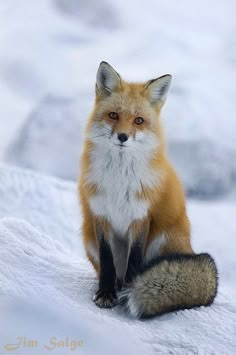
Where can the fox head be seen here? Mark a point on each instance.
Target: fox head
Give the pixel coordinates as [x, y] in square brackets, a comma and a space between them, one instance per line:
[127, 114]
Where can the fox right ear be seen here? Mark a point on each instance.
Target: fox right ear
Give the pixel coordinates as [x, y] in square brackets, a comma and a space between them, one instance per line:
[158, 88]
[108, 79]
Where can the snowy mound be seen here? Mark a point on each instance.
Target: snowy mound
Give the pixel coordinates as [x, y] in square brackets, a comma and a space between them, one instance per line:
[42, 259]
[204, 166]
[51, 138]
[44, 286]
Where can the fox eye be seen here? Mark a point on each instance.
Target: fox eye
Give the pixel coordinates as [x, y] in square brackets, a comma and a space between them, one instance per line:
[139, 120]
[113, 115]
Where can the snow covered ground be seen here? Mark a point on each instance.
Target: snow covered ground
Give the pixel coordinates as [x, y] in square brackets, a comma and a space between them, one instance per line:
[49, 54]
[43, 270]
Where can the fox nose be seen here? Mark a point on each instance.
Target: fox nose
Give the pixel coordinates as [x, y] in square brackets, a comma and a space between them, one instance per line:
[123, 137]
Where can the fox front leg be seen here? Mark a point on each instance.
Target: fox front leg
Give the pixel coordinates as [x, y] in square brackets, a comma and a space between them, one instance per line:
[127, 251]
[105, 297]
[139, 234]
[120, 246]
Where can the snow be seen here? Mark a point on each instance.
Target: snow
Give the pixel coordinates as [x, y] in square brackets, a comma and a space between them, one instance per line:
[43, 270]
[49, 54]
[53, 114]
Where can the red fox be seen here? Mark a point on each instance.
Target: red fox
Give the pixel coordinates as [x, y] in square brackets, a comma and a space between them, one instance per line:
[136, 231]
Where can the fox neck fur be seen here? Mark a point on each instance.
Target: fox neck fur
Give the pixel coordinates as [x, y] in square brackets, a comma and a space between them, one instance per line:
[121, 174]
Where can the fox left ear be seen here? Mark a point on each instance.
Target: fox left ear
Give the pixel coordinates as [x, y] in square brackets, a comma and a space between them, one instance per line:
[108, 80]
[158, 88]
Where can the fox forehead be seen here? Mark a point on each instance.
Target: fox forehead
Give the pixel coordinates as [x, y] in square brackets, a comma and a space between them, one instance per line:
[130, 99]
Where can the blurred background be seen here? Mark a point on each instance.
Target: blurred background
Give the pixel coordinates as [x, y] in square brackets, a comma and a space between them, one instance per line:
[49, 54]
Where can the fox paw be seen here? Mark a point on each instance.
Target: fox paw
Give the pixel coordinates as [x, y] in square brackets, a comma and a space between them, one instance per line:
[105, 299]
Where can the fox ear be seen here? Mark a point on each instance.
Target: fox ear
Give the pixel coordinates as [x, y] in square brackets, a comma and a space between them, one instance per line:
[158, 88]
[108, 79]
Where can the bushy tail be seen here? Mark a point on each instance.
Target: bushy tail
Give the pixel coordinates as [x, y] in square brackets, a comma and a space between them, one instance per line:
[172, 283]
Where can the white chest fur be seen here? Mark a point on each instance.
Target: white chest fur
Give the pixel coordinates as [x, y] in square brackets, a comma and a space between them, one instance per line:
[119, 175]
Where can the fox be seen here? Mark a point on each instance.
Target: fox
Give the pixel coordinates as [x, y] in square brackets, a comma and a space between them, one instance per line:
[135, 228]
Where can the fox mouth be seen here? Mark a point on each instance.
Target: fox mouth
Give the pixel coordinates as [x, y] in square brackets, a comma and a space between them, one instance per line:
[121, 145]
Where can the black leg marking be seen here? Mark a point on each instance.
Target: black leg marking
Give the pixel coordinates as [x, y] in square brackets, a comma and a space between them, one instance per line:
[120, 250]
[135, 262]
[106, 296]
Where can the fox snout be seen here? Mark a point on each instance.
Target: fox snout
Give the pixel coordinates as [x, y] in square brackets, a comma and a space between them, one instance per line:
[123, 137]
